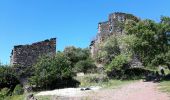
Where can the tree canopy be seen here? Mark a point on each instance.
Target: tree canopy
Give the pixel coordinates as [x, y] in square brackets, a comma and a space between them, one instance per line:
[152, 38]
[50, 70]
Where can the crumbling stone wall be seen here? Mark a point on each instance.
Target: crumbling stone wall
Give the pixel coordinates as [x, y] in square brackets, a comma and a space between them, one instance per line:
[113, 27]
[27, 55]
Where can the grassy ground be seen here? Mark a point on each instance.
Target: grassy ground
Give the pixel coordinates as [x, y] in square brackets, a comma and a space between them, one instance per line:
[16, 97]
[23, 97]
[44, 97]
[100, 80]
[165, 86]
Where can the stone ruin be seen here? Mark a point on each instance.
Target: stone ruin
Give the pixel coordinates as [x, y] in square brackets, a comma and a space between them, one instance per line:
[27, 55]
[113, 27]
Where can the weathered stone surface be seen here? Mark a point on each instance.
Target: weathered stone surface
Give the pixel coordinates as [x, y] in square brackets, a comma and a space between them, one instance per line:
[113, 27]
[24, 56]
[27, 55]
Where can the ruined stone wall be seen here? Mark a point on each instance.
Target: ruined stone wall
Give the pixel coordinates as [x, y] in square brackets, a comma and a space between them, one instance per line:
[103, 31]
[27, 55]
[113, 27]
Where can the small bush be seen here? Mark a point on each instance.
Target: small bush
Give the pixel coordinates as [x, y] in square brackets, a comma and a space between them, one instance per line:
[120, 62]
[51, 70]
[3, 93]
[18, 90]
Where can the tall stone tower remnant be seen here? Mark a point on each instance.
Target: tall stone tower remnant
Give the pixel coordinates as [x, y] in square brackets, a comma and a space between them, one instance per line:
[113, 27]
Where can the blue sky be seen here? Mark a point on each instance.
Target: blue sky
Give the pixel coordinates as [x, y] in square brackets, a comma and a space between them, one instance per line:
[73, 22]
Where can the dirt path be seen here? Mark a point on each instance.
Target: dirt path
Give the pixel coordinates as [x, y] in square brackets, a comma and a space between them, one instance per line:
[135, 91]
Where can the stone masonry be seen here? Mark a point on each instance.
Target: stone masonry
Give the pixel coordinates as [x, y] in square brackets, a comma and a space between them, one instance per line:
[113, 27]
[27, 55]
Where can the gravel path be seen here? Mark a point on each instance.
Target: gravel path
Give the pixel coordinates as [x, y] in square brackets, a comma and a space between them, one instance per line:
[135, 91]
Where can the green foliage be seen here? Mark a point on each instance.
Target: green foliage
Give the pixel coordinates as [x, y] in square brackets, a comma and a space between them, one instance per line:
[135, 73]
[45, 97]
[18, 90]
[127, 43]
[5, 71]
[165, 20]
[164, 86]
[101, 80]
[112, 47]
[161, 59]
[92, 79]
[119, 62]
[76, 54]
[151, 36]
[85, 66]
[15, 97]
[3, 93]
[80, 59]
[144, 38]
[108, 50]
[8, 78]
[51, 69]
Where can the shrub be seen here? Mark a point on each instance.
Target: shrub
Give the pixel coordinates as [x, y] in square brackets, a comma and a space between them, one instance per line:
[18, 90]
[107, 50]
[8, 78]
[3, 93]
[51, 70]
[120, 62]
[76, 54]
[130, 73]
[135, 73]
[85, 66]
[115, 74]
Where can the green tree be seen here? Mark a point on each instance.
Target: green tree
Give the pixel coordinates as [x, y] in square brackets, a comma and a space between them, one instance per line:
[8, 78]
[76, 54]
[80, 59]
[162, 59]
[85, 66]
[152, 38]
[108, 50]
[127, 43]
[50, 70]
[120, 62]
